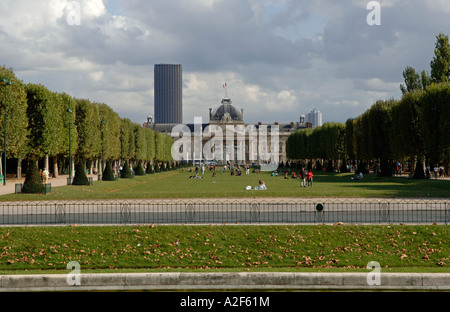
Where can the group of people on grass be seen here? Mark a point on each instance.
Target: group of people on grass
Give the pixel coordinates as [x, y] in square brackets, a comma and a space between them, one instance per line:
[305, 176]
[235, 170]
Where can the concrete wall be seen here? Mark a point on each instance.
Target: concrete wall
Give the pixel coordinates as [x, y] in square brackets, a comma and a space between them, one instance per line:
[219, 281]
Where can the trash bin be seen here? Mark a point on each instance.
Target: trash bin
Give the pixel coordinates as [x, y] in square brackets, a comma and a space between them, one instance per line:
[48, 188]
[19, 188]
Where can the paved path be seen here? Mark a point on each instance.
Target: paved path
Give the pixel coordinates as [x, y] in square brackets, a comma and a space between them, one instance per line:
[10, 187]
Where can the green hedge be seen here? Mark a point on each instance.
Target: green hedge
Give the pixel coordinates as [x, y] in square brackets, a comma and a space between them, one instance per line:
[126, 172]
[139, 169]
[108, 174]
[33, 181]
[80, 175]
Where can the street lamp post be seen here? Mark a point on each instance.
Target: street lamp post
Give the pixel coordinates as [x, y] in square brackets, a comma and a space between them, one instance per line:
[146, 139]
[103, 135]
[121, 144]
[70, 145]
[135, 145]
[6, 83]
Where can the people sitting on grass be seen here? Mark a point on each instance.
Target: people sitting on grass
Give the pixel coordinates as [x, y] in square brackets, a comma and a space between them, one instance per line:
[237, 172]
[294, 176]
[195, 177]
[261, 186]
[359, 178]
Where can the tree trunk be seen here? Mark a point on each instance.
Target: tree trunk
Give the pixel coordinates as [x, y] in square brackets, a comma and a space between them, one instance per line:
[1, 163]
[419, 172]
[55, 167]
[46, 166]
[386, 168]
[19, 168]
[413, 165]
[447, 165]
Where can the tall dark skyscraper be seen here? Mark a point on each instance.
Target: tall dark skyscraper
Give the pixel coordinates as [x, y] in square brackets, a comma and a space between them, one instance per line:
[168, 86]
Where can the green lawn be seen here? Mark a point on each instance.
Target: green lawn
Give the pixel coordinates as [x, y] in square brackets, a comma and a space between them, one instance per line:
[397, 248]
[177, 184]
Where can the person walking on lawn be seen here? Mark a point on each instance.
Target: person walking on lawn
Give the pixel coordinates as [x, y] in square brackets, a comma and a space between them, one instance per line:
[302, 178]
[309, 177]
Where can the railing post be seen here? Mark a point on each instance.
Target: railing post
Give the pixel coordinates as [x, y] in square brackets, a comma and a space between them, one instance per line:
[384, 213]
[319, 214]
[125, 213]
[189, 212]
[254, 212]
[60, 213]
[447, 212]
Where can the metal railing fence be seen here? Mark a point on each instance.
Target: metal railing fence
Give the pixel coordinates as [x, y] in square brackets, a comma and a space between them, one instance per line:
[229, 211]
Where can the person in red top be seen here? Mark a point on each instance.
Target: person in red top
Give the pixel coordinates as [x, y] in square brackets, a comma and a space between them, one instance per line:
[309, 177]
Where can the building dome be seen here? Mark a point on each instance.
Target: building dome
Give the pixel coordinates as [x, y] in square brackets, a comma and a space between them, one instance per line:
[226, 113]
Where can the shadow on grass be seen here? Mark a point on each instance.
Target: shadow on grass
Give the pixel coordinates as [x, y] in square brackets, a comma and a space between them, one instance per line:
[400, 186]
[177, 184]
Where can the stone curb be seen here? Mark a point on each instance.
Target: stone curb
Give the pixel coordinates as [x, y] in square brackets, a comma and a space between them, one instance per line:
[223, 281]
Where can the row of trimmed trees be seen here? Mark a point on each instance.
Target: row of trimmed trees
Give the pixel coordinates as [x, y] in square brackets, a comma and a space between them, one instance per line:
[44, 126]
[414, 129]
[322, 143]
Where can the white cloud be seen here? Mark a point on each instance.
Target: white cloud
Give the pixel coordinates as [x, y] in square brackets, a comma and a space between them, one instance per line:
[96, 76]
[441, 6]
[93, 8]
[280, 58]
[254, 93]
[377, 84]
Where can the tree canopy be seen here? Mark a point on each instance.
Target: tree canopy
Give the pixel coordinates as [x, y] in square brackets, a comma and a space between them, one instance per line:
[42, 123]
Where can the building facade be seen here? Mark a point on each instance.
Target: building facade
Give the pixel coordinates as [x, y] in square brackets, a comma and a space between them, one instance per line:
[168, 94]
[315, 118]
[227, 138]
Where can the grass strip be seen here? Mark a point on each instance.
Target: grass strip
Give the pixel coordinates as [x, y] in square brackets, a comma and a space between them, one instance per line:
[178, 184]
[404, 248]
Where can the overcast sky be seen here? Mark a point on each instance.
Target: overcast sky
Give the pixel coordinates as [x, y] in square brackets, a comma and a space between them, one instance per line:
[279, 58]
